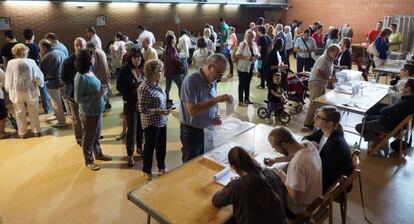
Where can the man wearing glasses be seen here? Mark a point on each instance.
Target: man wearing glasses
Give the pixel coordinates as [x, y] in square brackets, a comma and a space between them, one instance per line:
[199, 105]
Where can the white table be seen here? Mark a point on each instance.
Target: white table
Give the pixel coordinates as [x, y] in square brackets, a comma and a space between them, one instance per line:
[184, 194]
[372, 93]
[390, 67]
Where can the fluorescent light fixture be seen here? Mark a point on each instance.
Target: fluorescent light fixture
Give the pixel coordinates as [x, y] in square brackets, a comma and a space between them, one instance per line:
[28, 2]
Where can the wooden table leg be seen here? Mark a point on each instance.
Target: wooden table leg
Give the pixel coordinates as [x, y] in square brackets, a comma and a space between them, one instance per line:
[148, 219]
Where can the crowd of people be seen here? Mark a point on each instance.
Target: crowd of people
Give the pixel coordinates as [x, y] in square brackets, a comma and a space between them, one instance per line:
[79, 85]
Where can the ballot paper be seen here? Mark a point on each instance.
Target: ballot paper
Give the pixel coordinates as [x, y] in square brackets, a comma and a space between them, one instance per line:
[260, 159]
[224, 177]
[229, 108]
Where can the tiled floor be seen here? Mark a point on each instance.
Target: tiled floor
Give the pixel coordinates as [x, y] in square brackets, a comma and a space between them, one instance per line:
[44, 180]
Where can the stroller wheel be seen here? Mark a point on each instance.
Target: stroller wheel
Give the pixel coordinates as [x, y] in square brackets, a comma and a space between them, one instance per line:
[284, 117]
[299, 108]
[262, 112]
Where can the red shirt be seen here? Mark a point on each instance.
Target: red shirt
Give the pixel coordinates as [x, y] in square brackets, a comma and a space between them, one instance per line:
[372, 35]
[318, 39]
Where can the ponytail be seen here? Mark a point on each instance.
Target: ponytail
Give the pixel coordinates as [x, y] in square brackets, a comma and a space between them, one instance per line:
[333, 115]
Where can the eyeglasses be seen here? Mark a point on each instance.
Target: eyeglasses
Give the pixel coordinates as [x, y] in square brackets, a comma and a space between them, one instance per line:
[217, 70]
[321, 118]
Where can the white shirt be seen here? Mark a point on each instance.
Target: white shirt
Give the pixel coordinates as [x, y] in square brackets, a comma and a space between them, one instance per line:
[200, 57]
[243, 49]
[97, 41]
[289, 44]
[322, 142]
[304, 174]
[146, 34]
[2, 77]
[21, 74]
[184, 44]
[210, 44]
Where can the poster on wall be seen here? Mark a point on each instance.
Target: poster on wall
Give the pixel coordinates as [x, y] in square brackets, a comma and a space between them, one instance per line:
[5, 23]
[101, 21]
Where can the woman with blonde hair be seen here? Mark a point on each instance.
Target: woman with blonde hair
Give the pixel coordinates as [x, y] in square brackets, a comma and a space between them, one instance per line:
[22, 79]
[247, 53]
[152, 104]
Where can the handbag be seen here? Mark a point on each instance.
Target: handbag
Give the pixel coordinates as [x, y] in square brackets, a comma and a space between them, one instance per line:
[372, 49]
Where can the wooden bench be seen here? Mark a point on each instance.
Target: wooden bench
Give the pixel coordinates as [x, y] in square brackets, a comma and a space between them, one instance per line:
[401, 132]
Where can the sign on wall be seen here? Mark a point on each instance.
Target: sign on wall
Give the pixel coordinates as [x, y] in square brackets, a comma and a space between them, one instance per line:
[5, 23]
[101, 21]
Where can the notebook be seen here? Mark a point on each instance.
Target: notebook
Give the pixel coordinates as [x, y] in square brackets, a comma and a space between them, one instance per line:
[224, 177]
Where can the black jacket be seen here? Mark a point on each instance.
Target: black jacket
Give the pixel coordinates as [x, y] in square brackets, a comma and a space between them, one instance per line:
[346, 59]
[127, 84]
[335, 155]
[392, 115]
[68, 72]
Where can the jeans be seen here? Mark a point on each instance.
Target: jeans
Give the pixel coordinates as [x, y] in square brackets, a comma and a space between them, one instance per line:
[264, 78]
[91, 133]
[244, 85]
[372, 128]
[135, 133]
[287, 61]
[56, 99]
[303, 63]
[76, 121]
[370, 61]
[45, 99]
[177, 79]
[184, 62]
[155, 138]
[20, 110]
[316, 89]
[230, 63]
[192, 141]
[271, 107]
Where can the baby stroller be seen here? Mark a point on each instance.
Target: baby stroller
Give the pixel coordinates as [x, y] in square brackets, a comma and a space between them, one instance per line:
[279, 113]
[296, 87]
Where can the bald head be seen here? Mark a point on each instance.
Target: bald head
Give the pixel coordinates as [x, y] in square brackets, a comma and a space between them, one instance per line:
[79, 44]
[333, 51]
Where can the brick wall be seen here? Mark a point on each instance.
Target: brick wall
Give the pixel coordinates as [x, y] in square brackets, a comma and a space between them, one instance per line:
[68, 21]
[361, 15]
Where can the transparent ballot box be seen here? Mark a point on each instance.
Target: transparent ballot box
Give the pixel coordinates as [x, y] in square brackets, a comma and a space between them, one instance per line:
[346, 76]
[220, 138]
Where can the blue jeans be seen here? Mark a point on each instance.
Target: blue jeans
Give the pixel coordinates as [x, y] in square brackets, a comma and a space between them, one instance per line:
[304, 63]
[192, 140]
[271, 107]
[177, 79]
[45, 99]
[184, 62]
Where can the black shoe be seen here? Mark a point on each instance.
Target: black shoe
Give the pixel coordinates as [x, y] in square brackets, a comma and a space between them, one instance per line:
[131, 161]
[103, 157]
[248, 102]
[108, 106]
[93, 166]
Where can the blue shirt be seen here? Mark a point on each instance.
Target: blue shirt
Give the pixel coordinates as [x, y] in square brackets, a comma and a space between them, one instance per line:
[86, 86]
[59, 46]
[195, 89]
[382, 47]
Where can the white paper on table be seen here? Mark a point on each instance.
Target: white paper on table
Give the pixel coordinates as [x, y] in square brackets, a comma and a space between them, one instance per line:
[224, 177]
[229, 108]
[260, 159]
[220, 154]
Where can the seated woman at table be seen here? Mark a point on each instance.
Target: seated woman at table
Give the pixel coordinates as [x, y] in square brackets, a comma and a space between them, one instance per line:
[388, 117]
[333, 148]
[257, 196]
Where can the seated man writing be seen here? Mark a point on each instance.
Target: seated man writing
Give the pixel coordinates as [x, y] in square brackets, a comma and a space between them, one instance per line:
[388, 117]
[303, 179]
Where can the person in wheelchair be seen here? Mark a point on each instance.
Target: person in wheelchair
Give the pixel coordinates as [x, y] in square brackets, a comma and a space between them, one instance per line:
[274, 96]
